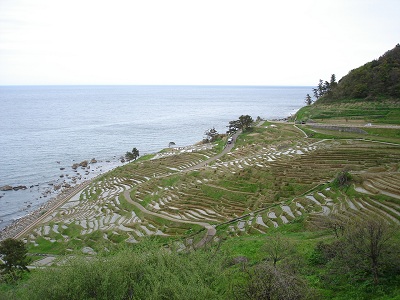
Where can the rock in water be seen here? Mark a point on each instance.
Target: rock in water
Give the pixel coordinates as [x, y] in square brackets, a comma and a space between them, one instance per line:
[6, 188]
[20, 187]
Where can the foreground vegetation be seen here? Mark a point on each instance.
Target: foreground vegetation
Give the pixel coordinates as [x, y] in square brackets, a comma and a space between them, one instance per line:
[287, 263]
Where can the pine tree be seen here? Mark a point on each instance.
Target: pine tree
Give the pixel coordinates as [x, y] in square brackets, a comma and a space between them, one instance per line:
[308, 99]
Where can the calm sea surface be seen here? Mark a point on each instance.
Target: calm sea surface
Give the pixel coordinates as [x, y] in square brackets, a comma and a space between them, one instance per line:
[46, 128]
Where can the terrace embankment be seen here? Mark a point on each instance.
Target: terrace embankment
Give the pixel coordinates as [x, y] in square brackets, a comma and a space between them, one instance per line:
[272, 177]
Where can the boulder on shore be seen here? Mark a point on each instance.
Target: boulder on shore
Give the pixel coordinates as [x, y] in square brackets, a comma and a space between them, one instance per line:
[84, 163]
[6, 188]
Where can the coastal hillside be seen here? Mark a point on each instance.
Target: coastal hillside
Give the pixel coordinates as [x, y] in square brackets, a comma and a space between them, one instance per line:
[280, 204]
[377, 79]
[370, 94]
[275, 210]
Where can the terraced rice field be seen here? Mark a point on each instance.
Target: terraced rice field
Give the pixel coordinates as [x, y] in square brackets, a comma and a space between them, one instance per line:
[267, 181]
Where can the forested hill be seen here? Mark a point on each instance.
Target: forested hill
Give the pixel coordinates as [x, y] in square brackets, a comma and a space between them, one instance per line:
[376, 79]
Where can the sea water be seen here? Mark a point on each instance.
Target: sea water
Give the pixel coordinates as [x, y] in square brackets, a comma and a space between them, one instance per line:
[46, 129]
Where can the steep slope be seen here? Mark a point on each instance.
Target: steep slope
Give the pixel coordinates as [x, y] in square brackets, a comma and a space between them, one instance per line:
[378, 78]
[370, 94]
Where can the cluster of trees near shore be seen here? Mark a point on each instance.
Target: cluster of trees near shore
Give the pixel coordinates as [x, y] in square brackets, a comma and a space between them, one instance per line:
[242, 123]
[133, 155]
[324, 88]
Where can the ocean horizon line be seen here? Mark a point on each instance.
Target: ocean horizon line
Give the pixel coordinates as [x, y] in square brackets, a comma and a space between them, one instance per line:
[155, 85]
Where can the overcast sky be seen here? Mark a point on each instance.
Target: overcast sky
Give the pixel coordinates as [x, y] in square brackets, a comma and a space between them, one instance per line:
[217, 42]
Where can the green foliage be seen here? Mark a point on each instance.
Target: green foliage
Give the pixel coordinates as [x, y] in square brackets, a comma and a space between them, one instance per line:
[374, 79]
[211, 135]
[265, 281]
[343, 179]
[145, 157]
[244, 122]
[370, 93]
[351, 110]
[277, 248]
[139, 272]
[323, 89]
[132, 155]
[13, 253]
[308, 100]
[170, 181]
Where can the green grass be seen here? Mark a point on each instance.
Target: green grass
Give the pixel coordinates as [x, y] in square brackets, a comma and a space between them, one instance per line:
[242, 186]
[384, 132]
[385, 112]
[47, 247]
[374, 134]
[145, 157]
[266, 123]
[124, 206]
[170, 181]
[217, 194]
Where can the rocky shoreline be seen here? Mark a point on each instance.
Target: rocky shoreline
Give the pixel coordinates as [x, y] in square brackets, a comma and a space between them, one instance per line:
[70, 186]
[18, 226]
[25, 198]
[25, 223]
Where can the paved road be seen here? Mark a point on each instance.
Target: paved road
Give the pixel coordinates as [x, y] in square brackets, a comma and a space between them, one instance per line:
[228, 148]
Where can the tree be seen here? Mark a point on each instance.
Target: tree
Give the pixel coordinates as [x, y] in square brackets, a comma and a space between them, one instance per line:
[333, 82]
[132, 155]
[336, 222]
[128, 156]
[343, 179]
[315, 92]
[245, 121]
[320, 88]
[365, 250]
[135, 153]
[324, 88]
[277, 248]
[13, 253]
[270, 283]
[308, 99]
[211, 134]
[233, 126]
[368, 246]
